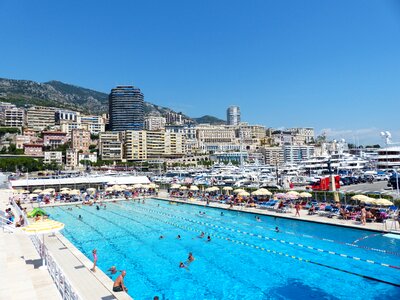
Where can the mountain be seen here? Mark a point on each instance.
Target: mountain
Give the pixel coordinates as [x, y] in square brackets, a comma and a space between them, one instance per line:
[209, 119]
[62, 95]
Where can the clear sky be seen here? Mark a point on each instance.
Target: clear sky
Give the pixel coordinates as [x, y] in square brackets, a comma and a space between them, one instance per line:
[332, 65]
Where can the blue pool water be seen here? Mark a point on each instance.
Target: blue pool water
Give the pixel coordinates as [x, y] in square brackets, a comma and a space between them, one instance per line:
[245, 259]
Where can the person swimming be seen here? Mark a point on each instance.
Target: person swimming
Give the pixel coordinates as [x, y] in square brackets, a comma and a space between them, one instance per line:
[258, 219]
[161, 237]
[208, 239]
[190, 257]
[113, 270]
[80, 217]
[97, 207]
[178, 237]
[182, 265]
[201, 235]
[222, 213]
[276, 229]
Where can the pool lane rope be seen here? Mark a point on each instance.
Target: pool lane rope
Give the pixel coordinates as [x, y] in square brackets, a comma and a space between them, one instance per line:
[354, 244]
[273, 239]
[275, 252]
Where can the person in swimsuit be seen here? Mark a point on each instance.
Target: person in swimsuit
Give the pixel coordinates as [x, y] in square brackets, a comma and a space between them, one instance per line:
[161, 237]
[190, 257]
[363, 216]
[94, 252]
[208, 239]
[182, 265]
[276, 229]
[178, 237]
[112, 270]
[201, 235]
[119, 285]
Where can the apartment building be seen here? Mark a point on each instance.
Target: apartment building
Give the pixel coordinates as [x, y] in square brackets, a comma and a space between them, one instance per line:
[217, 138]
[154, 123]
[80, 140]
[110, 146]
[11, 116]
[40, 117]
[93, 124]
[53, 157]
[54, 139]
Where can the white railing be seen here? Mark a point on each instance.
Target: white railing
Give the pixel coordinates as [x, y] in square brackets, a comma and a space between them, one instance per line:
[6, 224]
[61, 281]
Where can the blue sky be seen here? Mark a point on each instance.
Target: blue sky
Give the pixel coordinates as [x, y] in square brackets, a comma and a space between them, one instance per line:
[332, 65]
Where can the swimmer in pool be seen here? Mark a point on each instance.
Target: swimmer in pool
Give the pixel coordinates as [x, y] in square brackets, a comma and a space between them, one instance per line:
[113, 270]
[190, 257]
[201, 235]
[276, 229]
[182, 266]
[258, 219]
[161, 237]
[80, 217]
[208, 239]
[97, 207]
[178, 237]
[222, 213]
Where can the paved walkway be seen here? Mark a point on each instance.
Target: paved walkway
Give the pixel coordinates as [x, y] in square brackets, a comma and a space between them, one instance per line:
[20, 278]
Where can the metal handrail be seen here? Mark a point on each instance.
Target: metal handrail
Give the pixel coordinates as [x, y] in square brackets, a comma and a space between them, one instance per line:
[57, 274]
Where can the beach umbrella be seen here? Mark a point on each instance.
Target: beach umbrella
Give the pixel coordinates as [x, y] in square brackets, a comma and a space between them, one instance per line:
[183, 188]
[237, 191]
[123, 186]
[152, 186]
[367, 200]
[262, 192]
[42, 227]
[243, 194]
[175, 186]
[227, 188]
[33, 195]
[64, 189]
[21, 192]
[280, 195]
[359, 197]
[293, 193]
[109, 189]
[74, 192]
[37, 191]
[291, 196]
[383, 202]
[91, 190]
[256, 193]
[193, 188]
[305, 195]
[137, 186]
[49, 191]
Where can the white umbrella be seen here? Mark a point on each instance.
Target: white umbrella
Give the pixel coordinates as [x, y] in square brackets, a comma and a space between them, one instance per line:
[37, 191]
[183, 188]
[243, 194]
[91, 190]
[109, 189]
[237, 191]
[227, 188]
[293, 193]
[193, 188]
[74, 192]
[305, 195]
[152, 186]
[175, 186]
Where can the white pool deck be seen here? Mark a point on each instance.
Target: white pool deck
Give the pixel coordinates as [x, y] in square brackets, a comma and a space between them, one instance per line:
[21, 279]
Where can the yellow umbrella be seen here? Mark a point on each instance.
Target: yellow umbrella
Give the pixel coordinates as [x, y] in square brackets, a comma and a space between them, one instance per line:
[50, 191]
[383, 202]
[193, 188]
[212, 189]
[227, 188]
[37, 191]
[21, 192]
[91, 190]
[183, 188]
[293, 193]
[305, 195]
[152, 186]
[244, 194]
[237, 191]
[74, 192]
[137, 186]
[262, 192]
[43, 227]
[65, 189]
[175, 186]
[33, 195]
[123, 186]
[359, 197]
[109, 189]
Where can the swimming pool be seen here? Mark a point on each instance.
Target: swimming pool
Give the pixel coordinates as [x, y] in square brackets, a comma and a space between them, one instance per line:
[245, 259]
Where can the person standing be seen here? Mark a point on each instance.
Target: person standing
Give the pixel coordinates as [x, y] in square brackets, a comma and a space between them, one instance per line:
[297, 207]
[363, 215]
[94, 252]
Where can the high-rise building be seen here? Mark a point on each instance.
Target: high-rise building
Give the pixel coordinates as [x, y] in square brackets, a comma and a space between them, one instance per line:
[40, 117]
[126, 108]
[80, 140]
[233, 115]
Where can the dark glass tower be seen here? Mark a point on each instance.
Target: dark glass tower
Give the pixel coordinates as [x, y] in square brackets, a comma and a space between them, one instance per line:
[126, 108]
